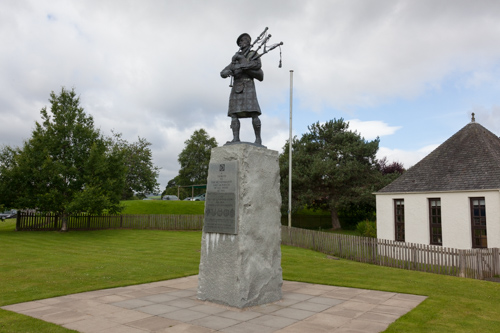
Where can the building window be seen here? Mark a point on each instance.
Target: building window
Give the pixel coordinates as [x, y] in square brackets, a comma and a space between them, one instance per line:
[435, 221]
[399, 218]
[478, 221]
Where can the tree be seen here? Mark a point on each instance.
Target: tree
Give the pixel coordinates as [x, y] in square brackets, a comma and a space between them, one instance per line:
[333, 169]
[141, 174]
[66, 166]
[194, 159]
[182, 192]
[390, 171]
[351, 215]
[387, 168]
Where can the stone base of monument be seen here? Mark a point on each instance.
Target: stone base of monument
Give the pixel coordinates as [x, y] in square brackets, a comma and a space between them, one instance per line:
[240, 249]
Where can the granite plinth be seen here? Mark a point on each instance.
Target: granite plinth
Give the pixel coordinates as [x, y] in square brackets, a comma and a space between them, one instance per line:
[244, 269]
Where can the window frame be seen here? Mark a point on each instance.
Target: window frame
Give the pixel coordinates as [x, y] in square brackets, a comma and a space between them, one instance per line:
[398, 225]
[433, 216]
[480, 226]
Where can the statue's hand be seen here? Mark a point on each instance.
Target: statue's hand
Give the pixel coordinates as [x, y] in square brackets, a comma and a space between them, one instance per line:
[237, 71]
[242, 66]
[225, 73]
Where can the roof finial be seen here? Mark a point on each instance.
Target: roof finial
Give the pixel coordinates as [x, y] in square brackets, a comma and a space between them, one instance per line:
[473, 119]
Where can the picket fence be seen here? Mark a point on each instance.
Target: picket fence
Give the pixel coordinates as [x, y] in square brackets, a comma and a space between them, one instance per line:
[52, 222]
[474, 263]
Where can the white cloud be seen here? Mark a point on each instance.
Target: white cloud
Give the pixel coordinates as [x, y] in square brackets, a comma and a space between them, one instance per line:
[371, 129]
[408, 158]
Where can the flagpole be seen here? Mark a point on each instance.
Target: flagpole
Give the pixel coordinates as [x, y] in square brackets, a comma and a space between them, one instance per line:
[290, 156]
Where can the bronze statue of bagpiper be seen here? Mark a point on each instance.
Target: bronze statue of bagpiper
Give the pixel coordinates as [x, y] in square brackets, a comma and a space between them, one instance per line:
[246, 66]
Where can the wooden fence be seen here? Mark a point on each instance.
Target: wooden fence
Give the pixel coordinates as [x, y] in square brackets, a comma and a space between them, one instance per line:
[48, 222]
[474, 263]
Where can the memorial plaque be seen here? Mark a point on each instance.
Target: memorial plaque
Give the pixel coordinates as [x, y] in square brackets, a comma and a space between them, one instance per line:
[221, 198]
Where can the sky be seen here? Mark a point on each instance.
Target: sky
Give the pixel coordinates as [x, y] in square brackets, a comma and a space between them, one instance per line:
[408, 72]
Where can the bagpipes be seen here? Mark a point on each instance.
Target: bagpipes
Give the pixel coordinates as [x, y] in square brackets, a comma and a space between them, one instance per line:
[261, 41]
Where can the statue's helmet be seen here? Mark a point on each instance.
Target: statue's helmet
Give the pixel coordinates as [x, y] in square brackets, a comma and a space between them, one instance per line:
[241, 36]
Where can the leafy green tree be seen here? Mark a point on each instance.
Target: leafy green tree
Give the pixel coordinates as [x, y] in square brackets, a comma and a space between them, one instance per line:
[194, 159]
[141, 174]
[173, 189]
[333, 168]
[66, 166]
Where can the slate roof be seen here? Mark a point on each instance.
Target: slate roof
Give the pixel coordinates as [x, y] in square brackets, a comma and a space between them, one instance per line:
[469, 160]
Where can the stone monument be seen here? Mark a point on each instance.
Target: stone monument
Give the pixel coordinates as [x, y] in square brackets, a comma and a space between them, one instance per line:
[240, 254]
[240, 262]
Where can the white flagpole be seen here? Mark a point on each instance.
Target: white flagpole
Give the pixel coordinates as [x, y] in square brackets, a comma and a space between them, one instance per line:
[290, 156]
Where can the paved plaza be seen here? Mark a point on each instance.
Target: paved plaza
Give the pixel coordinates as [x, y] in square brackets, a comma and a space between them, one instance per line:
[171, 306]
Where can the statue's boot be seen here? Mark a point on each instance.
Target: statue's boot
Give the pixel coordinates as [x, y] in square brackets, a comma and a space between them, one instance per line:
[256, 127]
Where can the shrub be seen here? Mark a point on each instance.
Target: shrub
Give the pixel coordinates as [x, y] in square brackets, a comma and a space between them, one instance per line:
[367, 229]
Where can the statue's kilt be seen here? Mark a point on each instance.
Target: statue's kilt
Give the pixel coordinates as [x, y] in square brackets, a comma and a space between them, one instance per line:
[243, 99]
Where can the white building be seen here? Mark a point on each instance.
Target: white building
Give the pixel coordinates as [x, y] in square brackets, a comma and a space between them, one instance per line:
[449, 198]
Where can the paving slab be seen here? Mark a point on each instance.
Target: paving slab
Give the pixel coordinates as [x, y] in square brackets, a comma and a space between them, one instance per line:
[310, 306]
[91, 325]
[154, 323]
[242, 316]
[157, 309]
[273, 321]
[214, 322]
[172, 307]
[247, 327]
[125, 316]
[66, 317]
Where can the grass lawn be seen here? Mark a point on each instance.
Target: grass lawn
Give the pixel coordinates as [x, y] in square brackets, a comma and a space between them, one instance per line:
[163, 207]
[36, 265]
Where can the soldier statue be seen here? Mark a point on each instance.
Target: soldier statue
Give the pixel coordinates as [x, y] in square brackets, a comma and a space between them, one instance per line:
[244, 68]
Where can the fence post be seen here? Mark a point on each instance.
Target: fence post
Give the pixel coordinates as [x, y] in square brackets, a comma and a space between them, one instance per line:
[18, 221]
[495, 260]
[461, 263]
[373, 242]
[340, 247]
[479, 265]
[413, 257]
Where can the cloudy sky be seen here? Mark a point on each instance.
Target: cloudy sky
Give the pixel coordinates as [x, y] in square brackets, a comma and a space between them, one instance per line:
[409, 72]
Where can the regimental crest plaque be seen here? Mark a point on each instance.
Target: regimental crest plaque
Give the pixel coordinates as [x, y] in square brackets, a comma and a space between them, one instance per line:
[221, 198]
